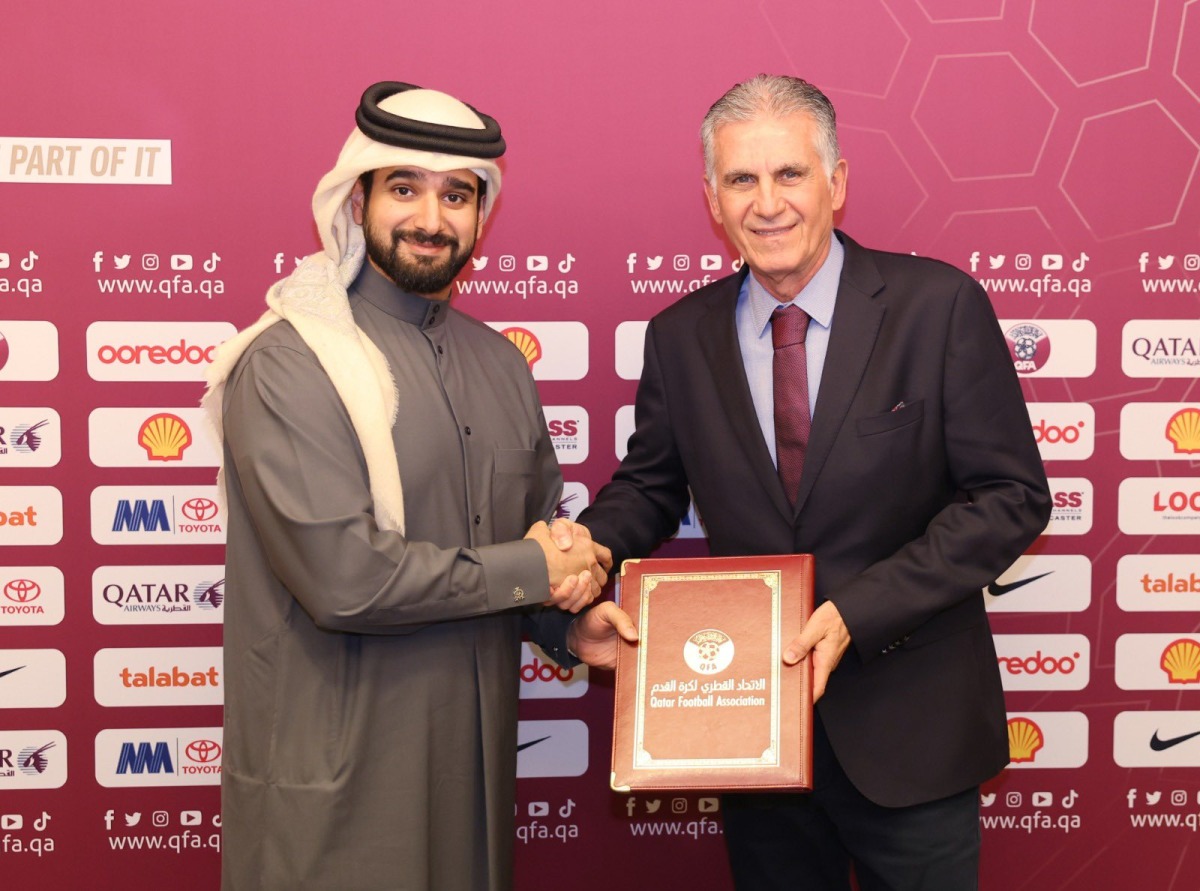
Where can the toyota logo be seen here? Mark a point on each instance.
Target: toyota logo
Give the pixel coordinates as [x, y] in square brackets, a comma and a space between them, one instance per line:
[199, 509]
[203, 750]
[22, 590]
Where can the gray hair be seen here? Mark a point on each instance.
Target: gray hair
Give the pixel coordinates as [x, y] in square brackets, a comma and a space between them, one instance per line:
[775, 95]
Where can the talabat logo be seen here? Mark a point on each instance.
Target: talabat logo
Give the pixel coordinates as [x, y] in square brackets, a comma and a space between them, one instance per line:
[1159, 582]
[28, 351]
[1157, 661]
[1064, 431]
[1157, 739]
[1051, 347]
[1159, 506]
[158, 595]
[30, 515]
[555, 351]
[1043, 661]
[1071, 513]
[1161, 348]
[541, 678]
[32, 759]
[159, 676]
[156, 515]
[153, 351]
[177, 756]
[1047, 739]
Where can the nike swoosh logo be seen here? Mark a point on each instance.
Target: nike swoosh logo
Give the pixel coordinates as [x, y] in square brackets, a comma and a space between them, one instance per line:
[532, 742]
[1161, 745]
[10, 671]
[998, 590]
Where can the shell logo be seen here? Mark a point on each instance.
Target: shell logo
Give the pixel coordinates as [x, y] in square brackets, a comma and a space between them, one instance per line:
[1024, 740]
[164, 437]
[526, 341]
[1181, 661]
[1184, 431]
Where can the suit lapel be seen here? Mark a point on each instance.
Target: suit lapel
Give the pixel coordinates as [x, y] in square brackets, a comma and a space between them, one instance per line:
[856, 321]
[717, 334]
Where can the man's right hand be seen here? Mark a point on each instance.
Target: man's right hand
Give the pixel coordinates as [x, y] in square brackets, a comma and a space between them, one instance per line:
[575, 564]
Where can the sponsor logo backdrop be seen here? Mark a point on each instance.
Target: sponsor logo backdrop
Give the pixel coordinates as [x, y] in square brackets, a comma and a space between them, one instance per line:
[156, 180]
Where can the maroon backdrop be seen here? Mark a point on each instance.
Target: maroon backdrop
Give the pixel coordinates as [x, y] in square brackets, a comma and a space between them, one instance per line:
[156, 165]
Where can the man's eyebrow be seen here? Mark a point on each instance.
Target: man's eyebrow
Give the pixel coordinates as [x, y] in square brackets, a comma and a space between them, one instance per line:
[407, 174]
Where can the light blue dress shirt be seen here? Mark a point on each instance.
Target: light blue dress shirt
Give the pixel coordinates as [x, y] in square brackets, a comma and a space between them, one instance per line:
[753, 318]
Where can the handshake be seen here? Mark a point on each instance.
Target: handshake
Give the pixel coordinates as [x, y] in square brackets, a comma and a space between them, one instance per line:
[578, 568]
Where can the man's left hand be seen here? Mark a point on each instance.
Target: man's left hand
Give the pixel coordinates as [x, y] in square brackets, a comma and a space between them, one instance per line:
[826, 637]
[596, 635]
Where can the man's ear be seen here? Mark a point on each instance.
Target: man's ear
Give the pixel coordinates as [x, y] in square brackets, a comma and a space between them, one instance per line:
[356, 201]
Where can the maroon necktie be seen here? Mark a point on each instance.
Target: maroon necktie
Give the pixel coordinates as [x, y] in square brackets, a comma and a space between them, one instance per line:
[789, 327]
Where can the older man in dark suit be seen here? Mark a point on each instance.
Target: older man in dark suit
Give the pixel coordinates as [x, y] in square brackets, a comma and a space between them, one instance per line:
[878, 425]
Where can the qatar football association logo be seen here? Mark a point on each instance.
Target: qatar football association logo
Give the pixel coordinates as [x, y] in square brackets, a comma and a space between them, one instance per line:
[708, 652]
[1029, 346]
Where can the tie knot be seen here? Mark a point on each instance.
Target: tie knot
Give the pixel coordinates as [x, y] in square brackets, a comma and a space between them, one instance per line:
[789, 326]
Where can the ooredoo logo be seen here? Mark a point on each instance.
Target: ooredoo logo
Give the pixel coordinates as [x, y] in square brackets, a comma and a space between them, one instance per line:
[542, 678]
[1064, 431]
[153, 351]
[1043, 661]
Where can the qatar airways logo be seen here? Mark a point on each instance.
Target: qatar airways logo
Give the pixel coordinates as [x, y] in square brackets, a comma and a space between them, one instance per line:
[157, 515]
[1159, 506]
[1043, 661]
[158, 595]
[1051, 347]
[1064, 431]
[1072, 500]
[174, 756]
[568, 427]
[1161, 348]
[153, 351]
[32, 759]
[30, 437]
[542, 678]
